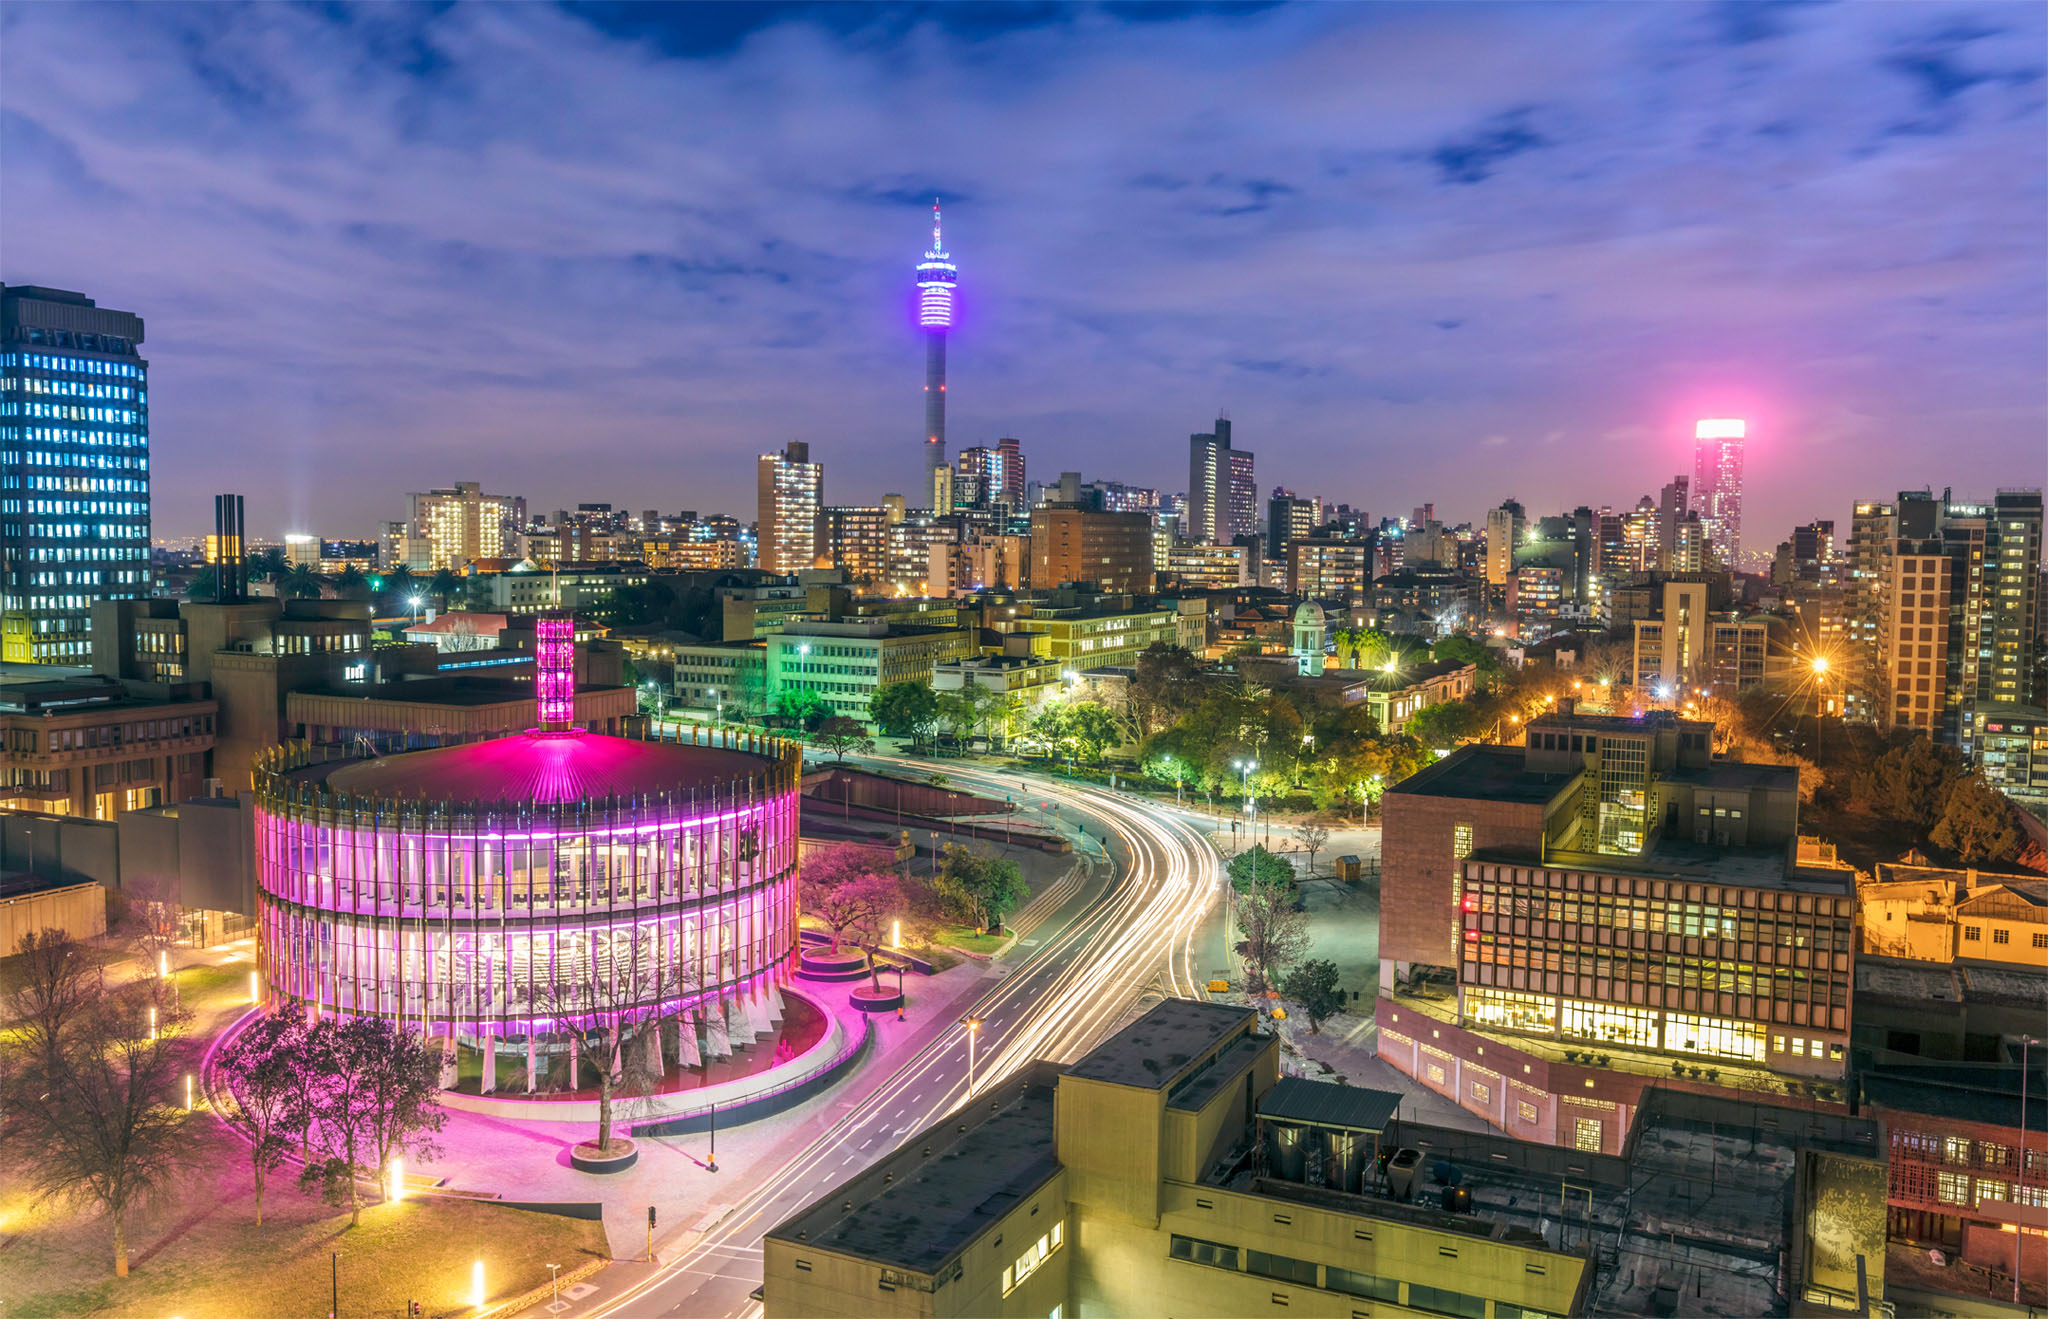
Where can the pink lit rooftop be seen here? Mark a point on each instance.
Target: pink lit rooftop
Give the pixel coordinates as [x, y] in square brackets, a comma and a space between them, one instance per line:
[546, 768]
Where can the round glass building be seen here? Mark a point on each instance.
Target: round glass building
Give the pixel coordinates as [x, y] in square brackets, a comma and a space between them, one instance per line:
[500, 891]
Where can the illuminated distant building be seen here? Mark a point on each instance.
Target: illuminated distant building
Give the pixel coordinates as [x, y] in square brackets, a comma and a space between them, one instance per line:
[302, 550]
[1112, 550]
[1503, 533]
[74, 447]
[1717, 483]
[452, 527]
[936, 279]
[1221, 493]
[857, 541]
[789, 499]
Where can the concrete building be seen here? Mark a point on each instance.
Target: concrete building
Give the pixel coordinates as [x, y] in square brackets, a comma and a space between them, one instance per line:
[1095, 631]
[2010, 746]
[74, 444]
[937, 278]
[576, 586]
[1717, 484]
[1222, 495]
[728, 678]
[1396, 696]
[1687, 644]
[1112, 551]
[1503, 533]
[1335, 570]
[857, 541]
[1613, 904]
[459, 525]
[845, 659]
[789, 492]
[82, 744]
[1128, 1183]
[1196, 566]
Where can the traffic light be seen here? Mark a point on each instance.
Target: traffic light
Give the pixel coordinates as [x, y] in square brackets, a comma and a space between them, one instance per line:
[650, 1216]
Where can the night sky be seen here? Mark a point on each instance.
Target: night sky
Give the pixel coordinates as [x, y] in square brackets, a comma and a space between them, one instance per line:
[1447, 253]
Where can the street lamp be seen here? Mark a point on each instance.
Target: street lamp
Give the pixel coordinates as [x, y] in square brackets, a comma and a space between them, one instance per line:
[1251, 805]
[416, 601]
[1173, 761]
[973, 1025]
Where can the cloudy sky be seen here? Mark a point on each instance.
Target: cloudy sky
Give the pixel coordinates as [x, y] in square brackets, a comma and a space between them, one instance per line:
[1448, 253]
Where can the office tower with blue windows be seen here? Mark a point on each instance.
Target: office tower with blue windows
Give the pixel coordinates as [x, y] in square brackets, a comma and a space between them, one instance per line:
[74, 470]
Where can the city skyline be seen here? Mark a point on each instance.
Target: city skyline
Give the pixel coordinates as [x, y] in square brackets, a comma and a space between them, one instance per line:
[1385, 297]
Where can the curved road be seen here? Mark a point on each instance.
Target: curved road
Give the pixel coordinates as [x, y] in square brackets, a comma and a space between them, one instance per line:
[1056, 1003]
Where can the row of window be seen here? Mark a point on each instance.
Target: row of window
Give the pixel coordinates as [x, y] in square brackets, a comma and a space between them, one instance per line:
[73, 412]
[2000, 935]
[78, 365]
[1351, 1282]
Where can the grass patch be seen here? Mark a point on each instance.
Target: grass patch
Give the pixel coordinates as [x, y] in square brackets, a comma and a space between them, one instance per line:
[200, 1254]
[967, 940]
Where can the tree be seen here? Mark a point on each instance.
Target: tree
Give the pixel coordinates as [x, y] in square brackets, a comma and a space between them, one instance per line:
[1910, 782]
[1091, 728]
[261, 1069]
[405, 1114]
[149, 916]
[1167, 684]
[446, 585]
[802, 706]
[53, 983]
[204, 584]
[1460, 649]
[1977, 824]
[1313, 988]
[90, 1087]
[607, 992]
[1257, 868]
[985, 888]
[1275, 934]
[840, 885]
[269, 564]
[1313, 835]
[341, 1058]
[1447, 723]
[905, 709]
[840, 734]
[350, 584]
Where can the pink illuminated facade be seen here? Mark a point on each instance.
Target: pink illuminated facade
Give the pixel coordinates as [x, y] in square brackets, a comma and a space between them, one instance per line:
[554, 670]
[486, 892]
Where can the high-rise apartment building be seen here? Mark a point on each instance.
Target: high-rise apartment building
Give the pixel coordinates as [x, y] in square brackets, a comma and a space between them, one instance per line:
[1221, 492]
[1328, 569]
[857, 540]
[1717, 483]
[452, 527]
[992, 479]
[1009, 484]
[74, 469]
[1112, 550]
[936, 278]
[789, 494]
[1503, 533]
[1288, 518]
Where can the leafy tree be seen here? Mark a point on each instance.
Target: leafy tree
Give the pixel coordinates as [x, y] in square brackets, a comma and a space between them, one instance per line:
[802, 706]
[342, 1058]
[405, 1113]
[844, 886]
[905, 709]
[1447, 723]
[1257, 868]
[299, 582]
[1461, 649]
[1313, 988]
[840, 734]
[1978, 824]
[987, 888]
[960, 711]
[1275, 934]
[350, 584]
[1091, 728]
[260, 1067]
[1167, 685]
[268, 564]
[1910, 782]
[204, 584]
[446, 585]
[90, 1083]
[1313, 835]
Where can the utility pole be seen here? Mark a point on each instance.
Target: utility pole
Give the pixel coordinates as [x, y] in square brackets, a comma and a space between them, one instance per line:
[2027, 1042]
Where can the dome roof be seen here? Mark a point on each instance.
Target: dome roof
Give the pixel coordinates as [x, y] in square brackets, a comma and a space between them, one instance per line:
[546, 768]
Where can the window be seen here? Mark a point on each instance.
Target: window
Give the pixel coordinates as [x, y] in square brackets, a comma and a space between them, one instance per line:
[1353, 1283]
[1955, 1149]
[1973, 933]
[1525, 1110]
[1586, 1134]
[1461, 840]
[1952, 1188]
[1502, 1310]
[1203, 1252]
[1028, 1263]
[1482, 1093]
[2001, 936]
[2041, 941]
[1436, 1074]
[1439, 1300]
[1284, 1267]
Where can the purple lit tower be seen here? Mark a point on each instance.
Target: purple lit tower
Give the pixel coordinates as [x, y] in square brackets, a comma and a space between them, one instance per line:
[936, 278]
[468, 891]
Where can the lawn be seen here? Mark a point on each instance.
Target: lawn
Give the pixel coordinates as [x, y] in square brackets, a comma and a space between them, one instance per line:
[201, 1255]
[968, 940]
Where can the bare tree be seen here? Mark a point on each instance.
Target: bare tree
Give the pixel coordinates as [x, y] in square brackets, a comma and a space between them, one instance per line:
[607, 990]
[404, 1113]
[1275, 934]
[341, 1055]
[150, 916]
[54, 982]
[88, 1102]
[265, 1077]
[1313, 835]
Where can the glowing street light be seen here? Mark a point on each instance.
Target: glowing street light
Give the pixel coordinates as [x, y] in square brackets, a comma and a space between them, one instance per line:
[476, 1284]
[973, 1025]
[255, 987]
[394, 1179]
[188, 1092]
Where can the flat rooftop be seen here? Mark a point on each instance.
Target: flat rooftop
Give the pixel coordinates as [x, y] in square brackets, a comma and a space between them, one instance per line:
[1738, 774]
[1485, 773]
[1320, 1104]
[916, 1209]
[1669, 858]
[1154, 1050]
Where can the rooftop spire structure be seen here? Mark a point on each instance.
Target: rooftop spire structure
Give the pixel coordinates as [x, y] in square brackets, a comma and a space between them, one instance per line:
[936, 276]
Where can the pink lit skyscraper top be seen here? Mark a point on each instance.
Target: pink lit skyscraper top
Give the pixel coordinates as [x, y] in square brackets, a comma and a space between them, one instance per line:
[554, 671]
[1717, 483]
